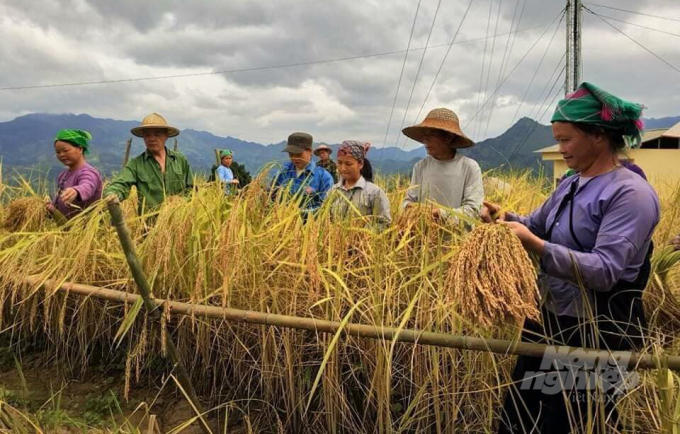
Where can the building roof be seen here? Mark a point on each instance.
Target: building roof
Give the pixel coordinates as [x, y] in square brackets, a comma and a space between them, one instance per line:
[673, 132]
[646, 137]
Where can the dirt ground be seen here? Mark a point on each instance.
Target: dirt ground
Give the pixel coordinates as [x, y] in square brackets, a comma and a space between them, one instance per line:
[92, 404]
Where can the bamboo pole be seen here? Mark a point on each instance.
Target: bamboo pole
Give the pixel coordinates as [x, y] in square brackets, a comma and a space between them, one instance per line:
[498, 346]
[151, 306]
[127, 152]
[175, 146]
[217, 157]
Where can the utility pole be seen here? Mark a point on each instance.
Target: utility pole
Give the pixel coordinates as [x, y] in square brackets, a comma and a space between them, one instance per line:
[574, 66]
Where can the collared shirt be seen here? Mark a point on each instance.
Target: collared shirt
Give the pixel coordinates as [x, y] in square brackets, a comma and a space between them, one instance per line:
[455, 184]
[362, 199]
[153, 187]
[317, 178]
[330, 167]
[614, 216]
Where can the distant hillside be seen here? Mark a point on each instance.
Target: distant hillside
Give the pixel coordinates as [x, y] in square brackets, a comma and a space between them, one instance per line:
[514, 149]
[26, 145]
[652, 123]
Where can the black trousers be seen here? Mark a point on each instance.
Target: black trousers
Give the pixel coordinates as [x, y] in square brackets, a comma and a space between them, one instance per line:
[532, 405]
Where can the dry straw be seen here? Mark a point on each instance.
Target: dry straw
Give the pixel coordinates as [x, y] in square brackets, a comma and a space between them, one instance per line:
[492, 279]
[25, 214]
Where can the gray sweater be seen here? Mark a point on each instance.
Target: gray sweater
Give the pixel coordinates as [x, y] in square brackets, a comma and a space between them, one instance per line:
[455, 184]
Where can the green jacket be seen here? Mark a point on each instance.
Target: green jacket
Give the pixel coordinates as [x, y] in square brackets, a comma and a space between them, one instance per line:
[144, 173]
[330, 168]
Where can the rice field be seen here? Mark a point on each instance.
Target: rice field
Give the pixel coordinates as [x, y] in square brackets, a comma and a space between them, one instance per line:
[249, 253]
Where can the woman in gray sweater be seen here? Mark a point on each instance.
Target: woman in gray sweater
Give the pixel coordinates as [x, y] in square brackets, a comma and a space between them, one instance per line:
[446, 180]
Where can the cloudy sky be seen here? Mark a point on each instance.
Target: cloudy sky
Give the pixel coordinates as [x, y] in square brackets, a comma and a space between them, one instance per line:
[506, 62]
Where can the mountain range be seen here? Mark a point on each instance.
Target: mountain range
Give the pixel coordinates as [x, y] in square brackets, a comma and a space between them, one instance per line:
[26, 146]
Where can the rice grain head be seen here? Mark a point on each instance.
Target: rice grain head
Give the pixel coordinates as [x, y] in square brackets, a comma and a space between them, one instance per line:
[491, 279]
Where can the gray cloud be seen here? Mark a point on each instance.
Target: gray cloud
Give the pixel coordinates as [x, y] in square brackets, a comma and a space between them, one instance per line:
[58, 41]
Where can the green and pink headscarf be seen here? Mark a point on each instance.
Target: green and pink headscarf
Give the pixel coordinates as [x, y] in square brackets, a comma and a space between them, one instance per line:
[591, 105]
[78, 138]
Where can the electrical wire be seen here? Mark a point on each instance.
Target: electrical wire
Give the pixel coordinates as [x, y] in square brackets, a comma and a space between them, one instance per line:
[401, 74]
[531, 82]
[420, 65]
[637, 25]
[635, 41]
[441, 65]
[516, 66]
[634, 12]
[253, 69]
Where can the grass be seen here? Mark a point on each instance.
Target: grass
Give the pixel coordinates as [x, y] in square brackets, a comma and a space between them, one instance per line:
[246, 253]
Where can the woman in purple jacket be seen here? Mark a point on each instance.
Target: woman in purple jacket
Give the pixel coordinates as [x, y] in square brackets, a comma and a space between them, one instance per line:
[80, 184]
[593, 237]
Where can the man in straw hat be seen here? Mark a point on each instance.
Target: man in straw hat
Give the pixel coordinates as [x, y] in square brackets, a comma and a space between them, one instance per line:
[445, 178]
[323, 151]
[156, 173]
[301, 176]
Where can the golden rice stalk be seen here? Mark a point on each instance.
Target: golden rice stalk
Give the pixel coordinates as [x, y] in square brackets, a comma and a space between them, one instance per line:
[491, 278]
[27, 214]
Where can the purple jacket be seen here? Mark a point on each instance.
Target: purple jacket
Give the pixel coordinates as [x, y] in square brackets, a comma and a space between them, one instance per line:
[614, 217]
[87, 181]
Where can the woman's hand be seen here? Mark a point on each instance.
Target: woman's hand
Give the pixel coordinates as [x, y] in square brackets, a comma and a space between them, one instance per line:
[50, 207]
[491, 213]
[69, 195]
[530, 241]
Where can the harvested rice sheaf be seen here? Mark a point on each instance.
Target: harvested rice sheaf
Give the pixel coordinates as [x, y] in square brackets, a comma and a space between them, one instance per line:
[27, 214]
[492, 279]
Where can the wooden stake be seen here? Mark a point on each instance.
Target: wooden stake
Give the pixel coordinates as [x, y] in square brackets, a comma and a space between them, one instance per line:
[138, 275]
[127, 152]
[176, 146]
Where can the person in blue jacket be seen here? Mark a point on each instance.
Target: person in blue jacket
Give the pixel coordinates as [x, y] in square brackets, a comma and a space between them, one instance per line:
[301, 177]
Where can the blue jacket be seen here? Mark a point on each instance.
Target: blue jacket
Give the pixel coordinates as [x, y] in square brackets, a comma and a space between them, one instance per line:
[315, 177]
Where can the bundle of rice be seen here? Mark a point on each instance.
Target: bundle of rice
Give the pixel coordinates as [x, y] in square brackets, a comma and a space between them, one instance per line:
[27, 214]
[492, 279]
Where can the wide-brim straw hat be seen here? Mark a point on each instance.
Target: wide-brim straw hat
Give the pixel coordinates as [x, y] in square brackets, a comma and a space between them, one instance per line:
[322, 147]
[440, 119]
[154, 120]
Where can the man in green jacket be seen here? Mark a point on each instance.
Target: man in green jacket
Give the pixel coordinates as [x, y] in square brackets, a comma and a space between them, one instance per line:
[156, 173]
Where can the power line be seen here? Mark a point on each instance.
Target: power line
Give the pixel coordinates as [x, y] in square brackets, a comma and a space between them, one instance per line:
[636, 42]
[441, 65]
[420, 65]
[637, 25]
[531, 82]
[545, 106]
[401, 74]
[515, 67]
[634, 12]
[491, 62]
[481, 76]
[502, 67]
[253, 69]
[547, 83]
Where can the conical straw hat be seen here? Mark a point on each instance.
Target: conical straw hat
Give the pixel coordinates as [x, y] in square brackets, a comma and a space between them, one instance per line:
[154, 120]
[441, 119]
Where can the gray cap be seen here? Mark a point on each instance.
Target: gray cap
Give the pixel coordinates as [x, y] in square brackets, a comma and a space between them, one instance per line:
[298, 143]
